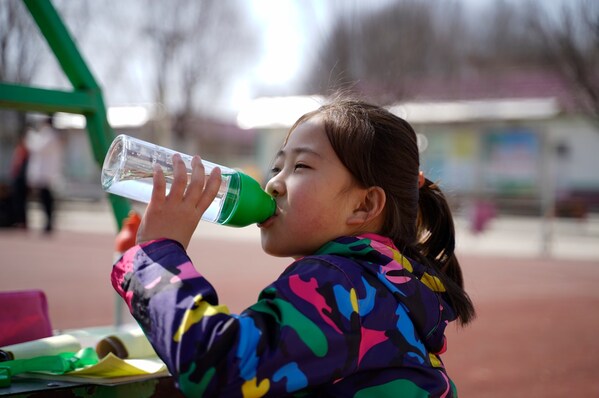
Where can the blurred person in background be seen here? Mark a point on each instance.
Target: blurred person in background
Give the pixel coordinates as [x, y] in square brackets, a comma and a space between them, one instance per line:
[44, 167]
[18, 175]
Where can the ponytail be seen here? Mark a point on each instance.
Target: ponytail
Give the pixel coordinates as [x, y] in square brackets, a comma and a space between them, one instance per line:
[436, 242]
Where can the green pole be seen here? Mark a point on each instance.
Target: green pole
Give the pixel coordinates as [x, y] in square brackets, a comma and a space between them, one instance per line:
[43, 100]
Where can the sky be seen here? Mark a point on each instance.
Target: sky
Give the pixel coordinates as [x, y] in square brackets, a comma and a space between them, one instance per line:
[281, 37]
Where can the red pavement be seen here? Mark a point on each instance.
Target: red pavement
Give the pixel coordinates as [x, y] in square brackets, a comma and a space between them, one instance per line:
[535, 335]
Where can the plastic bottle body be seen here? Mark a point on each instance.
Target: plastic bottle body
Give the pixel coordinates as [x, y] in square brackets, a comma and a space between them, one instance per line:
[129, 166]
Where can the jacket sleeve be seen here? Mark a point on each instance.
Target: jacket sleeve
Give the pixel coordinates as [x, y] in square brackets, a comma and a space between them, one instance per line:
[303, 331]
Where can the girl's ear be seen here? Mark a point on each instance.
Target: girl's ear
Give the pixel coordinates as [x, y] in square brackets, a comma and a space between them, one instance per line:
[370, 207]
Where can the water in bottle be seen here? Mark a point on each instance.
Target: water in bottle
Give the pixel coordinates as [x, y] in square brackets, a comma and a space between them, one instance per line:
[129, 166]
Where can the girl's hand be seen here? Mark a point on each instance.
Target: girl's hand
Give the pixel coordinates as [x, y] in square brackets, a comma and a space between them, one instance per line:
[176, 215]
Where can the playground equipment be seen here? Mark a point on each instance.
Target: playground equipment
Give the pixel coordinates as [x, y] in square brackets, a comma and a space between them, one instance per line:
[85, 98]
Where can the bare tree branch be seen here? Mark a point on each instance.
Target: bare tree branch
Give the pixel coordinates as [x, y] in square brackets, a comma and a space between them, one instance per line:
[573, 49]
[19, 48]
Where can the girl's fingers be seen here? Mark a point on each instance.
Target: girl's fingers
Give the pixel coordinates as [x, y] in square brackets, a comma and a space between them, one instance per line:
[210, 190]
[159, 189]
[179, 177]
[177, 215]
[196, 182]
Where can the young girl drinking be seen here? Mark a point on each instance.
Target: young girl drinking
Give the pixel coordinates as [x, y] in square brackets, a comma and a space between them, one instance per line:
[362, 310]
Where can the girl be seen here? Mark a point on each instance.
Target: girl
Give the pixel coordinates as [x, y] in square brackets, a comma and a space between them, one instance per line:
[362, 310]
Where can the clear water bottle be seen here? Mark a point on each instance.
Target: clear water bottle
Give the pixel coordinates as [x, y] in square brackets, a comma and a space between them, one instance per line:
[129, 166]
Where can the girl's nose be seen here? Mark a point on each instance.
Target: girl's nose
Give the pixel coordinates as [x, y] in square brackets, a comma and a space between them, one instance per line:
[275, 187]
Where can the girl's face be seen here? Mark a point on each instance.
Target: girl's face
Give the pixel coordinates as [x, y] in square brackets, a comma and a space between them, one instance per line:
[314, 192]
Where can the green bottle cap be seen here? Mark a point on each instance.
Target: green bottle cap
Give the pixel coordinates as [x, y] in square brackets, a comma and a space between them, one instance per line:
[253, 205]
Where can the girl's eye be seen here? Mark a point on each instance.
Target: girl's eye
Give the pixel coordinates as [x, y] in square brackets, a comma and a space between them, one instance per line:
[275, 171]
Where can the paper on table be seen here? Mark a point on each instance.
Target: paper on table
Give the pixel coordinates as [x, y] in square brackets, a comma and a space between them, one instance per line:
[111, 370]
[112, 366]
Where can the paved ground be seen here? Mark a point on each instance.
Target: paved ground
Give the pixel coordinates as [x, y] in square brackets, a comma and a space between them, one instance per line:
[535, 335]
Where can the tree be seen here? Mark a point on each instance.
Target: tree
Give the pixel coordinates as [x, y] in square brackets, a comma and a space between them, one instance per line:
[502, 40]
[573, 48]
[19, 49]
[197, 46]
[384, 54]
[378, 53]
[19, 56]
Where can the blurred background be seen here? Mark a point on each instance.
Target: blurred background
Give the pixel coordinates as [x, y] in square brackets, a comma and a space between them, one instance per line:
[504, 97]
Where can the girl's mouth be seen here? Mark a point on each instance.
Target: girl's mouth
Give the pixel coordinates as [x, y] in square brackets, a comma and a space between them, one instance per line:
[266, 223]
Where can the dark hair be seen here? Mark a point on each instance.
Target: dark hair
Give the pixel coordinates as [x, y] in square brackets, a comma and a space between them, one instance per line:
[380, 149]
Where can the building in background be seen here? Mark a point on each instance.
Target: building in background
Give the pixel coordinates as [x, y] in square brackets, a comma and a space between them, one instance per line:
[515, 143]
[517, 140]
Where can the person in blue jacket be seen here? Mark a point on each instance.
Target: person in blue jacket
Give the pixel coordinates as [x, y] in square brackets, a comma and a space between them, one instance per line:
[362, 309]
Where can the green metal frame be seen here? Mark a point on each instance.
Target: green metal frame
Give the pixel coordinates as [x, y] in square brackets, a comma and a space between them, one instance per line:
[85, 99]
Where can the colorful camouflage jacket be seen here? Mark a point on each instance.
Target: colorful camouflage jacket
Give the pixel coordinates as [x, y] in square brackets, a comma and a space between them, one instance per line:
[357, 319]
